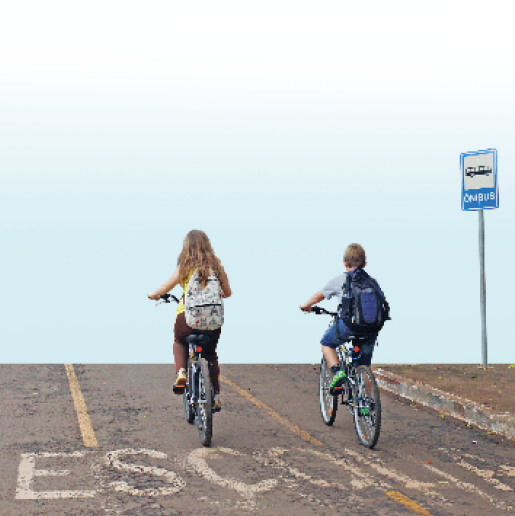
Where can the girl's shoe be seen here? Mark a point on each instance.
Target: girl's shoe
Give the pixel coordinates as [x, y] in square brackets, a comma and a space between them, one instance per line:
[180, 381]
[217, 405]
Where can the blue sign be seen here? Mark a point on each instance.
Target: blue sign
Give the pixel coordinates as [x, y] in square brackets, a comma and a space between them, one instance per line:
[479, 188]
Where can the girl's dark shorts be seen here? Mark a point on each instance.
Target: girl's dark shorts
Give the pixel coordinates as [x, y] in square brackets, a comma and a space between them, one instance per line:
[181, 330]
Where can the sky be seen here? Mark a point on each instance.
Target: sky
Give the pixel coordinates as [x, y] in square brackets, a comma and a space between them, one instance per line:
[285, 130]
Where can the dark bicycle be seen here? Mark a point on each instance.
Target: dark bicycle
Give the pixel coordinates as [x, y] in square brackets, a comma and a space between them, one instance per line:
[359, 392]
[199, 394]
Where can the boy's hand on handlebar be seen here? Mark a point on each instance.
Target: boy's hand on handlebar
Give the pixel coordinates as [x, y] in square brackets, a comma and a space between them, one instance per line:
[305, 308]
[154, 296]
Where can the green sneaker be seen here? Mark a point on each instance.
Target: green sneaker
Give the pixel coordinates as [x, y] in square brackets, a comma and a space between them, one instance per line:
[338, 379]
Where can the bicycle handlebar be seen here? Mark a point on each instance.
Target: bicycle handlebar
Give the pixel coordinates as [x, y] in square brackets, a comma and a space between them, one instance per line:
[319, 310]
[165, 298]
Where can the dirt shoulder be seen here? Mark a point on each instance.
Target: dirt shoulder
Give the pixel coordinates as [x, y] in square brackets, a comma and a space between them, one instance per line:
[493, 387]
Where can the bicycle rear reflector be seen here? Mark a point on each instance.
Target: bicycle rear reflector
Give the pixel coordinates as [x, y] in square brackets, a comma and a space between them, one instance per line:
[199, 349]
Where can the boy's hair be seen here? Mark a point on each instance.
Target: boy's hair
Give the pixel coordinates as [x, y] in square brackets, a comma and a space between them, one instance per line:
[355, 256]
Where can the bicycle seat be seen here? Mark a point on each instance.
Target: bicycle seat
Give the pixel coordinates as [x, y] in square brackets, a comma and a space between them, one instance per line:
[359, 338]
[199, 339]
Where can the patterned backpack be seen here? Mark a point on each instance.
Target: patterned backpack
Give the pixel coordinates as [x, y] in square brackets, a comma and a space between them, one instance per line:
[204, 308]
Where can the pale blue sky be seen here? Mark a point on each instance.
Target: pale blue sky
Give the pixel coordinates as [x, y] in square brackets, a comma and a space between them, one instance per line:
[285, 130]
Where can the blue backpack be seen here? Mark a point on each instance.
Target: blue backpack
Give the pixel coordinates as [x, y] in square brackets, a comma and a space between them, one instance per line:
[364, 308]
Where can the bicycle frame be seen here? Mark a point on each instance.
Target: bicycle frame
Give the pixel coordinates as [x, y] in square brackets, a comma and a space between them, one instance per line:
[195, 356]
[198, 394]
[359, 390]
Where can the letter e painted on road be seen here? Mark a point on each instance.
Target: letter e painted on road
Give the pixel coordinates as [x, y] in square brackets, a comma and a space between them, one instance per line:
[27, 471]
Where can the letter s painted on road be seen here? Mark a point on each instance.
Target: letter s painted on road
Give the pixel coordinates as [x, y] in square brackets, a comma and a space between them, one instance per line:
[111, 459]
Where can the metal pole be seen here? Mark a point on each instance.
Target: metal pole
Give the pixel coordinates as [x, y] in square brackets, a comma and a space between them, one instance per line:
[483, 287]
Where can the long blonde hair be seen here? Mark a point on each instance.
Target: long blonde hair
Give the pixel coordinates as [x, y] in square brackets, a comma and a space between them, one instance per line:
[197, 253]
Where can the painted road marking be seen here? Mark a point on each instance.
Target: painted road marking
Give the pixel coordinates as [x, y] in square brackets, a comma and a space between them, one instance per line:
[112, 459]
[395, 495]
[198, 459]
[404, 500]
[27, 471]
[86, 428]
[295, 429]
[106, 467]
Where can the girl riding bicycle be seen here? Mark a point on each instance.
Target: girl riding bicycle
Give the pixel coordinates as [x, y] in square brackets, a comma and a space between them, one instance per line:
[196, 255]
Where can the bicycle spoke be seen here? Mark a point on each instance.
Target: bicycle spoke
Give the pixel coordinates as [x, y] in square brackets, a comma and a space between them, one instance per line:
[328, 402]
[367, 409]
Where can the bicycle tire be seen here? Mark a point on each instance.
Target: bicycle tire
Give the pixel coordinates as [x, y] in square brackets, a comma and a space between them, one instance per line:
[367, 407]
[188, 409]
[328, 402]
[205, 404]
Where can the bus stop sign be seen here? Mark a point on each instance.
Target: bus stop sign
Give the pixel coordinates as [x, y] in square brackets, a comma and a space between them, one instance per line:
[479, 188]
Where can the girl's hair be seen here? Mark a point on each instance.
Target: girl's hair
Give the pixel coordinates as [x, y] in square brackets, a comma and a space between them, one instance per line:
[355, 256]
[197, 253]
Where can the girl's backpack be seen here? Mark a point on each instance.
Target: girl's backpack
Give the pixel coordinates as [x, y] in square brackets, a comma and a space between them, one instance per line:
[204, 308]
[364, 308]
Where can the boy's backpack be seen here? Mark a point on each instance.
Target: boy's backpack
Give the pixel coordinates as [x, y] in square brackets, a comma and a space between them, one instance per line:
[204, 308]
[364, 308]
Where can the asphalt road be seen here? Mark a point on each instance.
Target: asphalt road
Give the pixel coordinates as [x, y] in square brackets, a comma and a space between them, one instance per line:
[115, 442]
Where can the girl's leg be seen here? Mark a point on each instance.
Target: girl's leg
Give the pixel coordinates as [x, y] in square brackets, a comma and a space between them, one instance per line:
[214, 371]
[214, 368]
[180, 354]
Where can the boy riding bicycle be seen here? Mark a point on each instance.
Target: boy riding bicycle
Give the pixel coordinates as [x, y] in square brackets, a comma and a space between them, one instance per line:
[354, 258]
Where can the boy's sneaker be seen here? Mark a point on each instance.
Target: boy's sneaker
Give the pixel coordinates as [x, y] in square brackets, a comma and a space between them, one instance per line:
[180, 381]
[217, 405]
[338, 380]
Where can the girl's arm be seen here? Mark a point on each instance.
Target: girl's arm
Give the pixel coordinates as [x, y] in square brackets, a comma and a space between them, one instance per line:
[166, 286]
[224, 283]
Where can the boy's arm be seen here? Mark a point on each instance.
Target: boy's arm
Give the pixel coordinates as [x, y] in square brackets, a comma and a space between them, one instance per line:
[313, 300]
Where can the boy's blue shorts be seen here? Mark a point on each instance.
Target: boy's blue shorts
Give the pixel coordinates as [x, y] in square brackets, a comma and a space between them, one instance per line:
[332, 338]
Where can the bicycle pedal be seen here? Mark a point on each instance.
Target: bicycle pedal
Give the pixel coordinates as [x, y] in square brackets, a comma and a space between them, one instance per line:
[178, 390]
[335, 390]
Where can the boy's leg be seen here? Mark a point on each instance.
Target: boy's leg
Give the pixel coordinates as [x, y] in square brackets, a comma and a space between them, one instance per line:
[330, 355]
[329, 342]
[367, 349]
[334, 336]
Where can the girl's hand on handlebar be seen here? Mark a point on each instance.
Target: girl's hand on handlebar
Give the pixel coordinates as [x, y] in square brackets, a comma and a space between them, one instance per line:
[154, 296]
[305, 308]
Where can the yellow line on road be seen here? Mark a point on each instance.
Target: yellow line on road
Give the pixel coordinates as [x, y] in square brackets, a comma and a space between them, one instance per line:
[395, 495]
[88, 435]
[404, 500]
[295, 429]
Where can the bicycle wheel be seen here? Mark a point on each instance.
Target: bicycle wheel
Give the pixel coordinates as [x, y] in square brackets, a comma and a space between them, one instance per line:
[188, 409]
[328, 402]
[205, 404]
[367, 407]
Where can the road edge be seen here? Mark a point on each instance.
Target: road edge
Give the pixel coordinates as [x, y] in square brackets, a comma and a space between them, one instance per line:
[446, 403]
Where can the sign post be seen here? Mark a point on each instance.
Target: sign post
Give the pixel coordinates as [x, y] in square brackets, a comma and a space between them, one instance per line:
[480, 191]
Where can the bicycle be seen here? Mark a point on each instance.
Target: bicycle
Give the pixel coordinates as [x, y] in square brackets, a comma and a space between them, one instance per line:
[359, 392]
[198, 394]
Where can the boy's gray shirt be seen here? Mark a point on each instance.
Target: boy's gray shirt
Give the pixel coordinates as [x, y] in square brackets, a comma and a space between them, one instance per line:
[335, 287]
